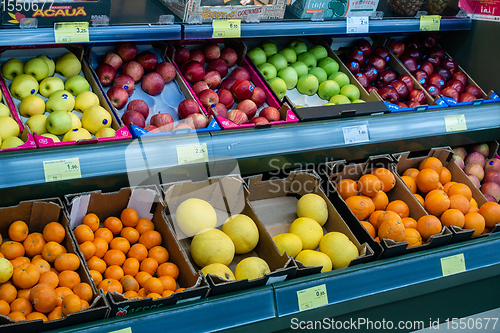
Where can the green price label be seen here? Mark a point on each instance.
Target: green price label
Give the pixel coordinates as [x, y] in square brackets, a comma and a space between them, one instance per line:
[192, 153]
[71, 32]
[64, 169]
[430, 22]
[453, 264]
[312, 297]
[226, 29]
[455, 123]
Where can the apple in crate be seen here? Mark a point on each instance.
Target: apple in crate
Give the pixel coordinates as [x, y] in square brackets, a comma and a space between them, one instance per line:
[451, 93]
[126, 82]
[199, 87]
[240, 73]
[197, 121]
[412, 104]
[106, 74]
[474, 91]
[270, 113]
[163, 121]
[213, 79]
[229, 56]
[197, 55]
[133, 117]
[421, 76]
[258, 96]
[181, 126]
[238, 117]
[148, 60]
[433, 90]
[193, 71]
[187, 107]
[437, 80]
[211, 51]
[118, 96]
[445, 73]
[401, 89]
[388, 94]
[258, 120]
[228, 83]
[466, 97]
[218, 65]
[218, 109]
[152, 129]
[460, 77]
[242, 89]
[397, 47]
[140, 106]
[364, 46]
[382, 52]
[112, 59]
[153, 84]
[126, 50]
[133, 69]
[426, 66]
[457, 85]
[166, 70]
[226, 98]
[408, 80]
[181, 54]
[247, 106]
[417, 96]
[208, 97]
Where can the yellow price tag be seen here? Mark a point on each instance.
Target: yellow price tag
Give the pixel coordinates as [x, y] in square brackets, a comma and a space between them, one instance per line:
[312, 297]
[226, 29]
[455, 123]
[123, 330]
[430, 22]
[64, 169]
[192, 153]
[453, 264]
[71, 32]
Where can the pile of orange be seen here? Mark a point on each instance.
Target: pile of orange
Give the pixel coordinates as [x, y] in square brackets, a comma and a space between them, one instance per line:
[45, 283]
[125, 256]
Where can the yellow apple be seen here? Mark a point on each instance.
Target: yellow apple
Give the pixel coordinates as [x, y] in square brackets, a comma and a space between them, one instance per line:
[68, 65]
[85, 100]
[106, 132]
[8, 127]
[95, 118]
[11, 142]
[76, 134]
[75, 121]
[51, 136]
[32, 105]
[4, 110]
[37, 123]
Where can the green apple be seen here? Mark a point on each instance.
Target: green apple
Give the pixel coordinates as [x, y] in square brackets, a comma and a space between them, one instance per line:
[319, 73]
[76, 84]
[329, 65]
[11, 142]
[308, 59]
[68, 65]
[289, 75]
[340, 99]
[37, 123]
[319, 52]
[49, 85]
[48, 60]
[58, 122]
[37, 68]
[268, 70]
[341, 78]
[95, 118]
[358, 101]
[269, 48]
[350, 91]
[60, 100]
[298, 46]
[85, 99]
[23, 85]
[12, 68]
[75, 121]
[289, 54]
[278, 61]
[8, 127]
[107, 132]
[279, 86]
[4, 110]
[51, 136]
[300, 67]
[76, 134]
[257, 55]
[307, 84]
[327, 89]
[32, 105]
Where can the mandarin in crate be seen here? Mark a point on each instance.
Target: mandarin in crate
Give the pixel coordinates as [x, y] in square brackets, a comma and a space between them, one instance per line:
[392, 229]
[410, 183]
[43, 297]
[358, 206]
[431, 163]
[427, 180]
[413, 237]
[436, 202]
[380, 200]
[54, 232]
[386, 178]
[18, 231]
[491, 213]
[347, 188]
[461, 189]
[399, 207]
[168, 268]
[25, 276]
[129, 217]
[369, 185]
[453, 217]
[33, 244]
[429, 225]
[91, 220]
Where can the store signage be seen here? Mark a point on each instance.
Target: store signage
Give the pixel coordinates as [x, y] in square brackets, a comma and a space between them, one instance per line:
[455, 123]
[226, 29]
[453, 264]
[71, 32]
[430, 22]
[312, 297]
[192, 153]
[355, 134]
[488, 10]
[358, 24]
[68, 168]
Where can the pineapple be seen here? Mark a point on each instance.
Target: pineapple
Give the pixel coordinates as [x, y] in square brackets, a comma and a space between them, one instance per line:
[405, 7]
[435, 7]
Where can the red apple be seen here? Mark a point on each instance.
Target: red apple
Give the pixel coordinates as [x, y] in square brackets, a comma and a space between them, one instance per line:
[134, 69]
[199, 87]
[181, 54]
[451, 93]
[226, 98]
[426, 66]
[401, 105]
[126, 82]
[152, 129]
[106, 74]
[466, 97]
[187, 107]
[432, 90]
[211, 51]
[148, 60]
[385, 76]
[460, 77]
[401, 88]
[229, 56]
[166, 70]
[270, 113]
[450, 64]
[492, 189]
[492, 164]
[242, 89]
[435, 61]
[382, 52]
[408, 80]
[414, 53]
[258, 120]
[437, 80]
[126, 50]
[197, 120]
[473, 178]
[352, 65]
[409, 62]
[412, 104]
[197, 55]
[163, 121]
[218, 109]
[228, 83]
[438, 52]
[247, 106]
[430, 40]
[397, 47]
[238, 117]
[364, 46]
[112, 59]
[118, 97]
[475, 157]
[208, 97]
[421, 76]
[363, 80]
[133, 117]
[369, 70]
[370, 88]
[492, 176]
[474, 91]
[356, 54]
[474, 169]
[218, 65]
[457, 85]
[258, 96]
[153, 84]
[213, 79]
[388, 94]
[240, 73]
[417, 96]
[444, 72]
[140, 106]
[193, 71]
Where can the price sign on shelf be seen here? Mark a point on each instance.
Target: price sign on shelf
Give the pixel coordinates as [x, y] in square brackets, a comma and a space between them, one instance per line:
[355, 134]
[226, 29]
[358, 24]
[192, 153]
[312, 297]
[430, 22]
[68, 168]
[123, 330]
[455, 123]
[71, 32]
[453, 264]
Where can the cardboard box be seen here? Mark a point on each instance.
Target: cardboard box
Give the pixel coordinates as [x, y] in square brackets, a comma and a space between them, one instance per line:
[54, 51]
[227, 196]
[49, 12]
[167, 101]
[37, 214]
[148, 204]
[305, 9]
[407, 160]
[275, 203]
[341, 170]
[287, 115]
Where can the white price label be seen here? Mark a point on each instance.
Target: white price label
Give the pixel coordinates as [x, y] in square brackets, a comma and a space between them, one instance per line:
[355, 134]
[358, 24]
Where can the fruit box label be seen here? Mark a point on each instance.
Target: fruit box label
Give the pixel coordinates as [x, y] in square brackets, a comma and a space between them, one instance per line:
[333, 8]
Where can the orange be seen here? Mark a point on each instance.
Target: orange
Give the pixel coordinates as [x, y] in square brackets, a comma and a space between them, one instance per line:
[380, 200]
[88, 249]
[138, 251]
[67, 261]
[168, 268]
[131, 266]
[447, 186]
[12, 250]
[153, 296]
[51, 250]
[153, 285]
[114, 224]
[50, 278]
[104, 233]
[373, 218]
[159, 253]
[111, 285]
[142, 277]
[96, 276]
[16, 316]
[369, 201]
[412, 173]
[84, 304]
[54, 232]
[386, 216]
[453, 217]
[474, 221]
[369, 185]
[25, 276]
[436, 202]
[19, 261]
[409, 222]
[150, 239]
[167, 293]
[413, 237]
[427, 180]
[386, 178]
[358, 206]
[149, 265]
[431, 163]
[129, 283]
[56, 314]
[24, 293]
[429, 225]
[399, 207]
[69, 279]
[60, 293]
[18, 231]
[445, 176]
[22, 305]
[83, 233]
[410, 183]
[114, 272]
[460, 202]
[419, 198]
[392, 229]
[131, 234]
[4, 308]
[33, 244]
[97, 264]
[168, 282]
[461, 189]
[121, 244]
[144, 225]
[36, 316]
[71, 304]
[491, 213]
[131, 294]
[129, 217]
[101, 246]
[8, 292]
[473, 209]
[178, 290]
[369, 228]
[142, 293]
[43, 297]
[91, 220]
[347, 188]
[114, 257]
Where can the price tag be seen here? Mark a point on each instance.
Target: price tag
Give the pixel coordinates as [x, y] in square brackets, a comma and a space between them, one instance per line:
[312, 297]
[192, 153]
[453, 264]
[226, 29]
[358, 24]
[430, 22]
[455, 123]
[71, 32]
[64, 169]
[123, 330]
[355, 134]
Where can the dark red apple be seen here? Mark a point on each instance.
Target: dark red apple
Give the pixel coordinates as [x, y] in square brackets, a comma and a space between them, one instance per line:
[433, 90]
[258, 120]
[242, 89]
[112, 59]
[421, 76]
[412, 104]
[466, 97]
[413, 41]
[240, 73]
[187, 107]
[457, 85]
[382, 52]
[377, 61]
[148, 60]
[451, 93]
[106, 74]
[258, 96]
[152, 84]
[134, 69]
[229, 56]
[435, 61]
[270, 113]
[414, 53]
[409, 62]
[211, 51]
[166, 70]
[401, 89]
[227, 83]
[408, 80]
[364, 46]
[401, 105]
[444, 72]
[352, 65]
[181, 54]
[474, 91]
[208, 97]
[426, 66]
[397, 47]
[193, 71]
[163, 121]
[356, 54]
[370, 88]
[363, 80]
[126, 82]
[430, 40]
[438, 52]
[370, 71]
[199, 86]
[450, 64]
[437, 80]
[118, 96]
[140, 106]
[213, 79]
[218, 65]
[247, 106]
[218, 109]
[197, 121]
[238, 117]
[126, 50]
[133, 117]
[460, 77]
[388, 94]
[418, 96]
[226, 98]
[385, 76]
[197, 55]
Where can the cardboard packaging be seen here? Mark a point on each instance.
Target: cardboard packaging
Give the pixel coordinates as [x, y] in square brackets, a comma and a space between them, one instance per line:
[37, 214]
[227, 197]
[386, 248]
[275, 202]
[148, 204]
[305, 9]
